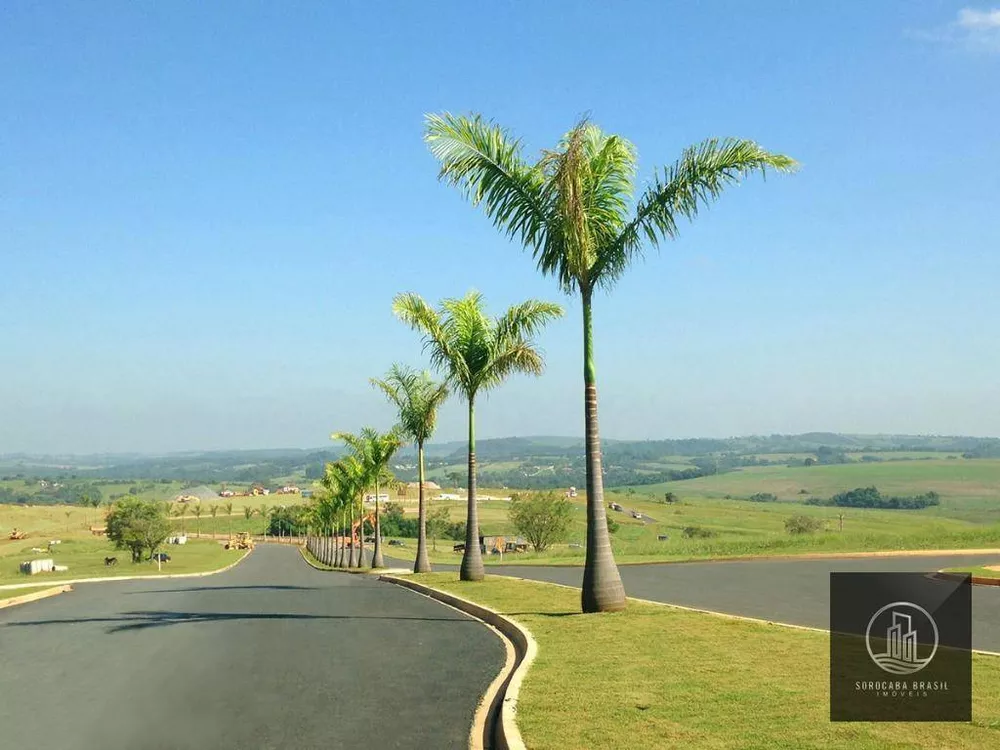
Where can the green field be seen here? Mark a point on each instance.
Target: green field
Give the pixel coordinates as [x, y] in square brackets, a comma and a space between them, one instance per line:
[969, 489]
[739, 528]
[85, 558]
[688, 682]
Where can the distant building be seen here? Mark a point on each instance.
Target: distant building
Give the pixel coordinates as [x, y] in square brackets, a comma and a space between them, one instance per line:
[198, 494]
[428, 485]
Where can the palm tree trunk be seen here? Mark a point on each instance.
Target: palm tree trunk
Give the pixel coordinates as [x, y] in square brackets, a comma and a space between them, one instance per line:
[377, 561]
[602, 584]
[421, 564]
[472, 560]
[339, 558]
[361, 534]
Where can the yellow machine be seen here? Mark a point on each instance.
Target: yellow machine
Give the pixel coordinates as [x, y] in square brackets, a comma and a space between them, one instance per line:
[242, 540]
[17, 534]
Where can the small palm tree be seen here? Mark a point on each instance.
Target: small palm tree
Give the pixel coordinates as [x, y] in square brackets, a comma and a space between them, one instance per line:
[574, 210]
[347, 479]
[247, 513]
[417, 399]
[479, 353]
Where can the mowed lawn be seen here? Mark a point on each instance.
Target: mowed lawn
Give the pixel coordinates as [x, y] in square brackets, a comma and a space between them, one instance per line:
[84, 557]
[659, 677]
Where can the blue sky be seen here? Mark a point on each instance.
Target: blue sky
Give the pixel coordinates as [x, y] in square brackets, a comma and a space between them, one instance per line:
[206, 209]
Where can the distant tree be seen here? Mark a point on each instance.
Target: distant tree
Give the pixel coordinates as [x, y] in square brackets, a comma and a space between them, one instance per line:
[138, 526]
[262, 510]
[438, 521]
[669, 498]
[247, 512]
[542, 518]
[198, 510]
[613, 525]
[229, 515]
[454, 478]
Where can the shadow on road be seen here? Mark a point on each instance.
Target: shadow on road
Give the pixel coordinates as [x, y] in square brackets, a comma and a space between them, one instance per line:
[225, 588]
[143, 619]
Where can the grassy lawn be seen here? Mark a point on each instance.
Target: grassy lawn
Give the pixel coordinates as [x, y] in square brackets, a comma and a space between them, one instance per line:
[85, 558]
[977, 570]
[656, 676]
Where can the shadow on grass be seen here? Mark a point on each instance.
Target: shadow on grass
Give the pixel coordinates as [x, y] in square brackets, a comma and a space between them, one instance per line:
[145, 619]
[544, 614]
[262, 587]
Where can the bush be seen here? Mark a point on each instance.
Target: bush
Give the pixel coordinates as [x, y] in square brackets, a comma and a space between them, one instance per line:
[613, 525]
[803, 524]
[870, 497]
[763, 497]
[697, 532]
[542, 519]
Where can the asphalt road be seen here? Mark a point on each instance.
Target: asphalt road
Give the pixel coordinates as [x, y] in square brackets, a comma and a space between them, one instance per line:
[271, 654]
[788, 591]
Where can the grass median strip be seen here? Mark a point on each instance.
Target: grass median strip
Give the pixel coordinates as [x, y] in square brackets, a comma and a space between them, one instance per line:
[656, 676]
[977, 571]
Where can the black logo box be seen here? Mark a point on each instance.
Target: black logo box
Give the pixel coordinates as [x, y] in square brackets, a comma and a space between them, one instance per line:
[900, 647]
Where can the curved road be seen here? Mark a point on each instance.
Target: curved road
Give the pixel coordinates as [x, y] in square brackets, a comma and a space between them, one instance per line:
[794, 591]
[271, 654]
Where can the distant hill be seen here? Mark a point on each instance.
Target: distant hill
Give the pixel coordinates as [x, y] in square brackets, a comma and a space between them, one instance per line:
[555, 460]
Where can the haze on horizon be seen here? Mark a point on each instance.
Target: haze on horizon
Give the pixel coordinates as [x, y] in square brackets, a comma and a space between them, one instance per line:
[205, 214]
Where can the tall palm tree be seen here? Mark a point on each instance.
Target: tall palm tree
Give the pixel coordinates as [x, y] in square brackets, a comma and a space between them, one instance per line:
[575, 210]
[373, 450]
[478, 353]
[198, 510]
[416, 398]
[229, 514]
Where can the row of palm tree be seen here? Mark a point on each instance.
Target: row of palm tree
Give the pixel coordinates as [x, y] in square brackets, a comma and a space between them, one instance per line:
[575, 210]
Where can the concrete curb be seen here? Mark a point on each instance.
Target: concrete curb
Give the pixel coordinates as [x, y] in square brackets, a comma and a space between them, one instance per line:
[151, 577]
[495, 724]
[34, 596]
[942, 575]
[356, 571]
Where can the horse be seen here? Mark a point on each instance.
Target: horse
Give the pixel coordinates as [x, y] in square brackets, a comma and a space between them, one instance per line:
[110, 561]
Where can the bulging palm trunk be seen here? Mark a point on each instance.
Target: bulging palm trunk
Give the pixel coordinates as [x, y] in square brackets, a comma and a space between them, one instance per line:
[340, 542]
[472, 560]
[421, 564]
[360, 563]
[602, 584]
[377, 561]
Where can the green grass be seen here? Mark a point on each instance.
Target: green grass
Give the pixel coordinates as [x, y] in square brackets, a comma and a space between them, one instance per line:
[741, 529]
[8, 595]
[85, 558]
[655, 676]
[978, 571]
[969, 489]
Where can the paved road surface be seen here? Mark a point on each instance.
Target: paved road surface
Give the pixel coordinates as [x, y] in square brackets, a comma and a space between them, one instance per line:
[271, 654]
[790, 591]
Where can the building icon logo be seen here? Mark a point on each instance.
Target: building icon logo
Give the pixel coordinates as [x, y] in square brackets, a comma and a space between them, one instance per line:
[901, 625]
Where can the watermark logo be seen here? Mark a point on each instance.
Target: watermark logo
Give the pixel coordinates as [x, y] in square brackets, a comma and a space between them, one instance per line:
[905, 626]
[900, 647]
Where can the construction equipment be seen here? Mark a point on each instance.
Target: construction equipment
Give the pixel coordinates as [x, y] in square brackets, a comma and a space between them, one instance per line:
[16, 534]
[242, 540]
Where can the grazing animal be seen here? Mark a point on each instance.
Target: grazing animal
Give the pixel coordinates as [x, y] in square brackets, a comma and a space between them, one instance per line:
[110, 561]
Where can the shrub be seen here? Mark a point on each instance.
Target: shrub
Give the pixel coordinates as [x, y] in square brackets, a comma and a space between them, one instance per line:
[542, 519]
[697, 532]
[138, 526]
[763, 497]
[803, 524]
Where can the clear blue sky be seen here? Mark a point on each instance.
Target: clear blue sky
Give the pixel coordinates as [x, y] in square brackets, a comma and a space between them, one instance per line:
[206, 208]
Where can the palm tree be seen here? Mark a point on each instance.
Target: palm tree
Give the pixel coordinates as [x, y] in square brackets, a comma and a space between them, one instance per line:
[198, 510]
[374, 450]
[574, 209]
[229, 513]
[478, 353]
[416, 398]
[349, 477]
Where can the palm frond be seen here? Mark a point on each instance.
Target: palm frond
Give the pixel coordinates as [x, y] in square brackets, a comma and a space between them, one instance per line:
[695, 180]
[481, 159]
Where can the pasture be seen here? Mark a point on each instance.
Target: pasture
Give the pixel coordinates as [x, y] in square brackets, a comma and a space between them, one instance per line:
[969, 489]
[84, 556]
